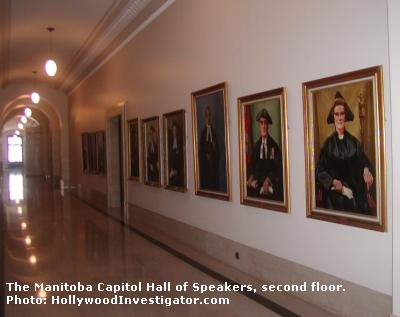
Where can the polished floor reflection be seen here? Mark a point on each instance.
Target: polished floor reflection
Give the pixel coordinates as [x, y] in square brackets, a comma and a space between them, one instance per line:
[52, 239]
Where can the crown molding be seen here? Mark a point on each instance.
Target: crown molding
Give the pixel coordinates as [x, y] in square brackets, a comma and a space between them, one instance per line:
[150, 12]
[5, 7]
[119, 16]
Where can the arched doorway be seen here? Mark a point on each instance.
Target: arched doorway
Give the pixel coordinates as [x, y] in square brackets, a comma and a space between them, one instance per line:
[41, 140]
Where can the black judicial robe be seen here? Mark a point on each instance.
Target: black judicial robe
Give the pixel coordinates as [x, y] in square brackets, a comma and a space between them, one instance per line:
[209, 160]
[344, 160]
[270, 166]
[175, 160]
[152, 163]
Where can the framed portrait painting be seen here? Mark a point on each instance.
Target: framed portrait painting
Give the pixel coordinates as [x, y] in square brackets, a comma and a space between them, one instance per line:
[85, 153]
[133, 151]
[92, 153]
[211, 142]
[174, 125]
[151, 151]
[100, 152]
[344, 148]
[263, 153]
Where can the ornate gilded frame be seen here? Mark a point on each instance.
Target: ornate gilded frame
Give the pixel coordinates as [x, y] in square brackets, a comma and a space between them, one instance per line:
[145, 122]
[374, 76]
[248, 101]
[166, 117]
[223, 195]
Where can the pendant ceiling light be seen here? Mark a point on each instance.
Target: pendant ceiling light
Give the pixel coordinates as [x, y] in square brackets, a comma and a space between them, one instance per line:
[24, 120]
[20, 126]
[51, 66]
[17, 132]
[35, 97]
[28, 112]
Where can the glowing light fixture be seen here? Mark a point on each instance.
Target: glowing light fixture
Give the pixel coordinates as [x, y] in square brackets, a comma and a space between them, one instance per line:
[17, 132]
[20, 126]
[33, 259]
[35, 97]
[23, 225]
[28, 112]
[51, 66]
[19, 210]
[42, 293]
[28, 240]
[24, 119]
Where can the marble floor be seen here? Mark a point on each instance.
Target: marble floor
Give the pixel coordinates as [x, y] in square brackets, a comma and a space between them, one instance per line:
[53, 240]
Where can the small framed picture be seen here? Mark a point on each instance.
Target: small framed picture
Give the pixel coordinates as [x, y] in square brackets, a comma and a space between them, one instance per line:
[263, 150]
[100, 152]
[134, 148]
[174, 124]
[92, 153]
[151, 151]
[85, 153]
[211, 142]
[344, 147]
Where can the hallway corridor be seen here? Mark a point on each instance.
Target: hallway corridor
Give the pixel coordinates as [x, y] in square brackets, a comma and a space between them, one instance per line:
[52, 239]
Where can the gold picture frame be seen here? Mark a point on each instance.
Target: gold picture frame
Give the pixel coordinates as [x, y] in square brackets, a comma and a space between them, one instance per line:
[211, 150]
[134, 150]
[151, 149]
[345, 149]
[175, 167]
[263, 150]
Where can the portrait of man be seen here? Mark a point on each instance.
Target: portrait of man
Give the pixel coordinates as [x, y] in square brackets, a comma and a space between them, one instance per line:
[344, 172]
[208, 153]
[151, 151]
[344, 147]
[100, 152]
[134, 149]
[85, 152]
[175, 149]
[265, 170]
[263, 150]
[153, 164]
[210, 138]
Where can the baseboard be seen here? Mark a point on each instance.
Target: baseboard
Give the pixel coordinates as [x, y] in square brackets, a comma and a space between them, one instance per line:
[253, 266]
[265, 267]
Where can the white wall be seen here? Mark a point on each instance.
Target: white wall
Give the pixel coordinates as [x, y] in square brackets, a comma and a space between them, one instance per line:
[255, 46]
[394, 53]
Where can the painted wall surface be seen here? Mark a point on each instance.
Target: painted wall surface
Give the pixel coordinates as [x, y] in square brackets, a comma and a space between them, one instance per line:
[394, 53]
[254, 46]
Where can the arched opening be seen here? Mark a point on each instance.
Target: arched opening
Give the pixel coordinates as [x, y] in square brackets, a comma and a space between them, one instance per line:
[40, 139]
[30, 147]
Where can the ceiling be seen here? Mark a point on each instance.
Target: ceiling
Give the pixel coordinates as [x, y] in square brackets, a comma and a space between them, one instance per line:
[86, 32]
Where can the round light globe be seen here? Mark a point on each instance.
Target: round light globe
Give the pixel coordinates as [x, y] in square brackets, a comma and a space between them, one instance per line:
[20, 126]
[24, 119]
[35, 97]
[28, 112]
[51, 68]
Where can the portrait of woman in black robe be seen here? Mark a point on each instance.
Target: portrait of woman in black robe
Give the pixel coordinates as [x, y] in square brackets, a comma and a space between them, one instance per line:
[344, 173]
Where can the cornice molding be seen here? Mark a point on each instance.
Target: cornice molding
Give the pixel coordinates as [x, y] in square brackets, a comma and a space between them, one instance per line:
[5, 7]
[117, 18]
